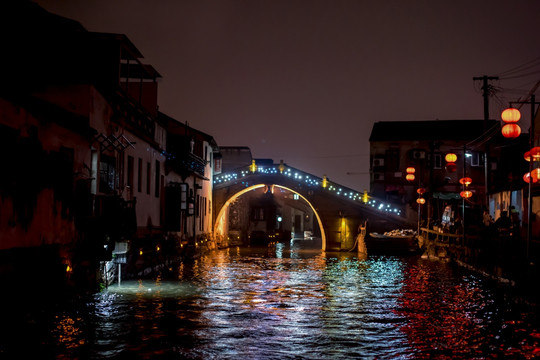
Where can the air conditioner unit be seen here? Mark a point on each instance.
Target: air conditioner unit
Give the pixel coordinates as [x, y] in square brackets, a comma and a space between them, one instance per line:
[378, 162]
[418, 154]
[378, 176]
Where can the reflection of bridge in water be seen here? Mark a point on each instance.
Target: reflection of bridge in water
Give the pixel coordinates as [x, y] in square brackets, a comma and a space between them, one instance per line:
[339, 211]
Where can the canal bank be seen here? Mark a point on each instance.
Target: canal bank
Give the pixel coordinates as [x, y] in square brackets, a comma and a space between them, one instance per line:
[506, 259]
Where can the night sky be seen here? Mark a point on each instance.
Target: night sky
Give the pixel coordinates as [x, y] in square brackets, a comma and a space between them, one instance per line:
[304, 80]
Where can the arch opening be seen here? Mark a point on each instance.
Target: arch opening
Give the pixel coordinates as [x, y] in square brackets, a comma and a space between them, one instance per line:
[220, 225]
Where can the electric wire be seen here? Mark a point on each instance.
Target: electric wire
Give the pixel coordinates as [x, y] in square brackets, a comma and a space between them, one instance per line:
[527, 65]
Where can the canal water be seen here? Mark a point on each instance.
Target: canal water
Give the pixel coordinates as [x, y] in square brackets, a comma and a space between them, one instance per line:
[289, 301]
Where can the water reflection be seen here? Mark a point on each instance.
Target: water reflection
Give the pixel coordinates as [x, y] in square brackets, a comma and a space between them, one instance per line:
[289, 301]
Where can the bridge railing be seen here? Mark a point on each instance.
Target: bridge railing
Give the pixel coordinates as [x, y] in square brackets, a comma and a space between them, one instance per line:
[309, 180]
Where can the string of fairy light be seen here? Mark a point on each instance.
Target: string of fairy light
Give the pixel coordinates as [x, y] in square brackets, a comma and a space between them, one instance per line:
[307, 179]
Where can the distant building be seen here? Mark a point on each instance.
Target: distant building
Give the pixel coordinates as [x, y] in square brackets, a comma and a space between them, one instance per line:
[396, 146]
[234, 157]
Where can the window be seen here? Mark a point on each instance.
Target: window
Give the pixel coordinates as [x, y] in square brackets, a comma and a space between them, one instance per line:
[148, 174]
[139, 176]
[476, 159]
[437, 161]
[258, 214]
[392, 160]
[156, 182]
[107, 174]
[130, 172]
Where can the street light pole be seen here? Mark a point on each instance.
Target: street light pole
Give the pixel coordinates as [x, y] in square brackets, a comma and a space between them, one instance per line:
[531, 145]
[529, 200]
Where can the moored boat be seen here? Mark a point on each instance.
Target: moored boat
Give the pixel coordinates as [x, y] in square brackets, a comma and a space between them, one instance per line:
[392, 241]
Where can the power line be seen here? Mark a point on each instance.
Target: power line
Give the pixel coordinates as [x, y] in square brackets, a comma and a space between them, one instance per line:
[520, 67]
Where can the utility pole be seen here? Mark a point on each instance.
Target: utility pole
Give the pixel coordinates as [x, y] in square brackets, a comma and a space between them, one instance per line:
[485, 94]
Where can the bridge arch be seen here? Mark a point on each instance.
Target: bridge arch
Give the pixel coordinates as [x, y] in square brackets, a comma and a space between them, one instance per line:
[220, 218]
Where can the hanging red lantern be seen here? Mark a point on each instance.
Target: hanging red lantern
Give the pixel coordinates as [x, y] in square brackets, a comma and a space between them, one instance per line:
[466, 194]
[409, 177]
[450, 158]
[410, 170]
[527, 178]
[527, 156]
[451, 167]
[421, 201]
[465, 181]
[511, 115]
[511, 131]
[535, 153]
[535, 175]
[421, 190]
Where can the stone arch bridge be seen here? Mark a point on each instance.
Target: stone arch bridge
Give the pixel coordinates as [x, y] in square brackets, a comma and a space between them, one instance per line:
[339, 211]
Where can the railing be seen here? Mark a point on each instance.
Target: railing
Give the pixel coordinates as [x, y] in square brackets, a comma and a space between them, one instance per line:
[442, 238]
[308, 180]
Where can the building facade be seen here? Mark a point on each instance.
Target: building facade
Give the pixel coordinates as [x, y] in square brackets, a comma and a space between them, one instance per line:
[95, 172]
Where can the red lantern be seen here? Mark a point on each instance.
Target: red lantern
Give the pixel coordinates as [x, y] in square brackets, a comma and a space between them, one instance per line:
[511, 131]
[410, 170]
[450, 158]
[451, 167]
[527, 156]
[466, 194]
[511, 115]
[527, 178]
[421, 201]
[421, 191]
[535, 175]
[535, 153]
[409, 177]
[465, 181]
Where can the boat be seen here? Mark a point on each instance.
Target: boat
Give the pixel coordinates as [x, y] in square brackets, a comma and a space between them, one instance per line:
[395, 241]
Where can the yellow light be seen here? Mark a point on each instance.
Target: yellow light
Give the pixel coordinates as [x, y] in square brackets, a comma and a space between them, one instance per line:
[409, 177]
[157, 248]
[281, 166]
[140, 252]
[451, 158]
[68, 269]
[365, 197]
[510, 115]
[253, 166]
[324, 182]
